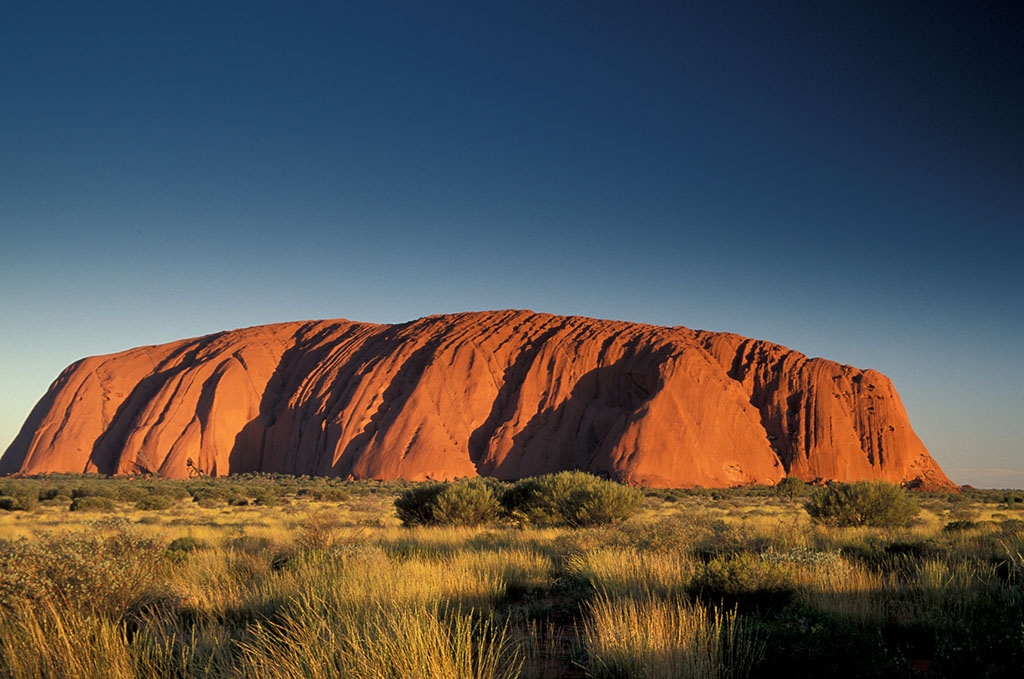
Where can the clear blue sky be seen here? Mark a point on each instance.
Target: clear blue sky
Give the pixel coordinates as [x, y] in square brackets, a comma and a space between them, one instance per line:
[846, 179]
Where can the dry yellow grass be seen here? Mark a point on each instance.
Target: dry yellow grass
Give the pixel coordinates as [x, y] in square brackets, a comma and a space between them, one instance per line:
[380, 600]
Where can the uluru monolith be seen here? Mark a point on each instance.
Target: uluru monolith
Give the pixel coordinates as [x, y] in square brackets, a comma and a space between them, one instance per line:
[507, 394]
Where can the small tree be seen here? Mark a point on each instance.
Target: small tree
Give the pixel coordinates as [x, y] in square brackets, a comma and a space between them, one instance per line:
[862, 503]
[790, 487]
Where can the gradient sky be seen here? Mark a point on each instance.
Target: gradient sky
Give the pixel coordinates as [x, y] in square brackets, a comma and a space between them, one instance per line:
[846, 179]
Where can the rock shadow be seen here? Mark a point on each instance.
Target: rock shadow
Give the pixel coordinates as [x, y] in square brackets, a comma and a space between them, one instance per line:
[584, 429]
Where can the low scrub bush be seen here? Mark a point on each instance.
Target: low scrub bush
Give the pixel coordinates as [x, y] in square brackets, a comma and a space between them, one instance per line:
[960, 525]
[745, 574]
[22, 503]
[325, 494]
[571, 498]
[104, 570]
[180, 549]
[668, 534]
[155, 502]
[469, 502]
[862, 503]
[466, 502]
[186, 544]
[318, 531]
[415, 507]
[91, 503]
[96, 489]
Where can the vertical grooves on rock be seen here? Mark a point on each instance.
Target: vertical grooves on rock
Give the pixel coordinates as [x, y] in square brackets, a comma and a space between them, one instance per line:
[507, 392]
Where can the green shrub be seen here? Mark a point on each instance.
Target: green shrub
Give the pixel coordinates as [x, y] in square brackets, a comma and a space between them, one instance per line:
[745, 573]
[18, 503]
[91, 503]
[466, 502]
[128, 492]
[862, 503]
[8, 503]
[57, 493]
[155, 502]
[96, 489]
[325, 494]
[572, 498]
[415, 507]
[790, 487]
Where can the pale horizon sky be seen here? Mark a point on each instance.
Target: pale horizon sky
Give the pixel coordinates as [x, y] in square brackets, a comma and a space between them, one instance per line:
[847, 181]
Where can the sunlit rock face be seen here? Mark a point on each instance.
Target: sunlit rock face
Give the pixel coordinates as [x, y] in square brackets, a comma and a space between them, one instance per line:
[503, 393]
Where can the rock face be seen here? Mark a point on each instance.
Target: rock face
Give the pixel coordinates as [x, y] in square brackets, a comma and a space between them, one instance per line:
[504, 393]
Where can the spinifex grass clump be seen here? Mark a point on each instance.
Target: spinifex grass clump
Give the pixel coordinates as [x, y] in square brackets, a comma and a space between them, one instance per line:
[862, 503]
[320, 639]
[657, 638]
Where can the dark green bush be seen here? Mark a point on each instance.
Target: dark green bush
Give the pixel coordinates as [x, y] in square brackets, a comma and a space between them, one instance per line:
[572, 498]
[790, 487]
[105, 489]
[415, 507]
[55, 493]
[18, 503]
[466, 502]
[862, 503]
[91, 503]
[960, 525]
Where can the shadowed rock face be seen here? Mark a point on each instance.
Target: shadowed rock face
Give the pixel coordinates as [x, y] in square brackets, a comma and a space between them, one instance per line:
[504, 393]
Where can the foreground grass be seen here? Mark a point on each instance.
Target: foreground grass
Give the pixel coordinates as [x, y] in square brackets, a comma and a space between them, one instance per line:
[291, 578]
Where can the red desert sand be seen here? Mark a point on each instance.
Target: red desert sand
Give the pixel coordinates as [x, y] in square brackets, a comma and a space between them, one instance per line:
[503, 393]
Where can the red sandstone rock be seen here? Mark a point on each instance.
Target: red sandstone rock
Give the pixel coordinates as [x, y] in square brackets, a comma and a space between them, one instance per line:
[504, 393]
